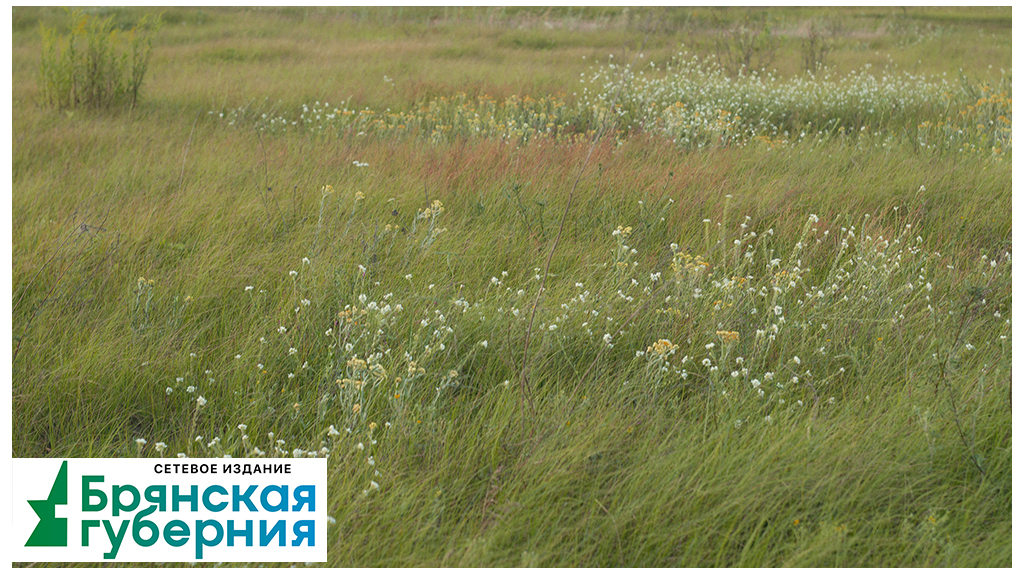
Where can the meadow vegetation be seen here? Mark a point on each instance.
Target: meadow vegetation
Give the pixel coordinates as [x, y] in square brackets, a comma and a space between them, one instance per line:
[566, 287]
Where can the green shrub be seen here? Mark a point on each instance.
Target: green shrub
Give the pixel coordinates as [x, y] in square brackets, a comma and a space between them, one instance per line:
[95, 65]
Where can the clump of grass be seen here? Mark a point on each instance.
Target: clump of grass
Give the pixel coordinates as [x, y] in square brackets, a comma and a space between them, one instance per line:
[95, 65]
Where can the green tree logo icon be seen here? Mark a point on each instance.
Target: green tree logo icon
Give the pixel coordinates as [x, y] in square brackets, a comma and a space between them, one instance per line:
[51, 531]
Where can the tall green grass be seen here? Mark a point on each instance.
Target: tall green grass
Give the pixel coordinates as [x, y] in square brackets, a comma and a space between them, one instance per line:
[770, 354]
[95, 65]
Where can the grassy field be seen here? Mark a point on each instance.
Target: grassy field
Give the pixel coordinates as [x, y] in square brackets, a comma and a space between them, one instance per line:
[565, 287]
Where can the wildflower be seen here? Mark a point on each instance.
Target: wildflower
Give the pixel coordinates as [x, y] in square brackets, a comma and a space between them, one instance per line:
[160, 447]
[141, 442]
[168, 390]
[663, 347]
[356, 408]
[305, 260]
[483, 343]
[292, 350]
[201, 401]
[293, 273]
[248, 287]
[190, 389]
[728, 337]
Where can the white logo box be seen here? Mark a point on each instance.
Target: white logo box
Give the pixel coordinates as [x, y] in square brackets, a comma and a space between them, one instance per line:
[243, 510]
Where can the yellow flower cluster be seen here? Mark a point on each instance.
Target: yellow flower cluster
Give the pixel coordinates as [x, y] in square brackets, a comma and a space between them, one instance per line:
[378, 371]
[684, 262]
[350, 316]
[355, 384]
[436, 208]
[728, 337]
[662, 347]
